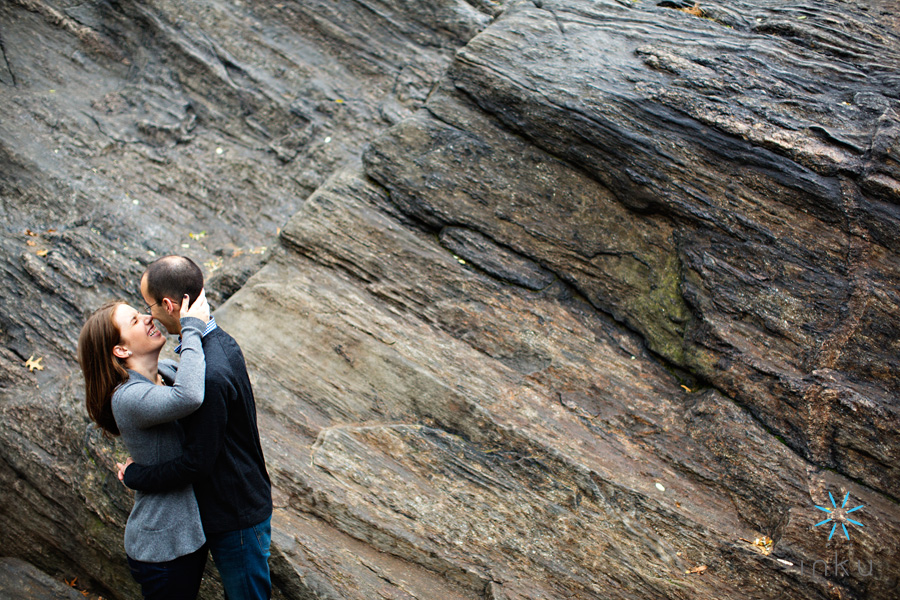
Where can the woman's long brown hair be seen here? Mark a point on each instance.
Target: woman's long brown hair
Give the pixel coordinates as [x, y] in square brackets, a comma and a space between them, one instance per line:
[103, 372]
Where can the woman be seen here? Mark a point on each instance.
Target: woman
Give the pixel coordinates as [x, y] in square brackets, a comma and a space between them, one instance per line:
[130, 392]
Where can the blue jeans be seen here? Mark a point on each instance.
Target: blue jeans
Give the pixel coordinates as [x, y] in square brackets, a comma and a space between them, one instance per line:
[242, 558]
[177, 579]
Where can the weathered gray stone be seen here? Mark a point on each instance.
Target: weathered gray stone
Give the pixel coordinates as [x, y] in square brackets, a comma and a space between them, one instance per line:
[773, 275]
[609, 301]
[130, 130]
[462, 456]
[498, 261]
[21, 581]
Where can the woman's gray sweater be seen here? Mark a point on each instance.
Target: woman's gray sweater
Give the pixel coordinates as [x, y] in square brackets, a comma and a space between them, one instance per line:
[165, 525]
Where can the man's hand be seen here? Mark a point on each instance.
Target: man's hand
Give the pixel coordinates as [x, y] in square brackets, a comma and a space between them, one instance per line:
[121, 468]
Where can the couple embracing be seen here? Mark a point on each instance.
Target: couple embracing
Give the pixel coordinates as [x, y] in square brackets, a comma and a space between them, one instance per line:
[198, 471]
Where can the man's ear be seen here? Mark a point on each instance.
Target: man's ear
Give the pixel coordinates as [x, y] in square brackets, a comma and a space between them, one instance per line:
[170, 306]
[121, 352]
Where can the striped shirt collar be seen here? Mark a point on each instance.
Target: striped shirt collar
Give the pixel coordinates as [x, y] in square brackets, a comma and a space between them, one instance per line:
[209, 327]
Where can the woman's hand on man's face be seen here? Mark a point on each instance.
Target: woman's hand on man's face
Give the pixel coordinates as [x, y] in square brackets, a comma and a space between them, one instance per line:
[199, 309]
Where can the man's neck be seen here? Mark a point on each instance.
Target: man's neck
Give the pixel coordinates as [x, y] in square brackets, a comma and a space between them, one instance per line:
[175, 327]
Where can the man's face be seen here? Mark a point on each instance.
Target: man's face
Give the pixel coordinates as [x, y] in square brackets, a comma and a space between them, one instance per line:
[159, 311]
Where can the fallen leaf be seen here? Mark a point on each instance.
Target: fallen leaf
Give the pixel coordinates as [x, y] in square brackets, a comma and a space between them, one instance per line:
[30, 243]
[693, 10]
[765, 544]
[31, 233]
[699, 569]
[213, 265]
[43, 252]
[197, 236]
[33, 363]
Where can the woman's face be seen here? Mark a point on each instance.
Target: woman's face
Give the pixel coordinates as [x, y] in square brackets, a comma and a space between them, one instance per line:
[139, 335]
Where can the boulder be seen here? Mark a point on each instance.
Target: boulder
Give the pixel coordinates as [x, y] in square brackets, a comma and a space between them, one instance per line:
[20, 580]
[539, 299]
[756, 132]
[131, 130]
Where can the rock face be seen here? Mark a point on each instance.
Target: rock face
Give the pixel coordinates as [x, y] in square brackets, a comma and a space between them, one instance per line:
[18, 580]
[782, 243]
[540, 300]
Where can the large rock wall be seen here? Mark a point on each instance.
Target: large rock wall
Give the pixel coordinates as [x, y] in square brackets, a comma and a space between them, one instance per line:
[766, 138]
[130, 130]
[609, 297]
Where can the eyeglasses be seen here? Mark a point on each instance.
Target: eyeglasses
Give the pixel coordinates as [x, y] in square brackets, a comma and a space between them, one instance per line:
[149, 308]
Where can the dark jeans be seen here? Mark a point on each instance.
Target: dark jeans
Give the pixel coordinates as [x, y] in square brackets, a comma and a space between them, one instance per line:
[242, 558]
[177, 579]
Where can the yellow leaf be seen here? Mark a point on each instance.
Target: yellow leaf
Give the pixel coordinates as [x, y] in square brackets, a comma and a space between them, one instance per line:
[765, 544]
[43, 252]
[699, 569]
[33, 363]
[213, 265]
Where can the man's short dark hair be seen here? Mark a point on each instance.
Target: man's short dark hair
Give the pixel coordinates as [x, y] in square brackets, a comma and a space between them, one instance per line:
[172, 277]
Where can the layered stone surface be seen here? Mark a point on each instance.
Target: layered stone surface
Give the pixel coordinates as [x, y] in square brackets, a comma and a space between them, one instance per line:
[540, 300]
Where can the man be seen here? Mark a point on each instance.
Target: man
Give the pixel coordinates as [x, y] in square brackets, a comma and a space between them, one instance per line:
[222, 456]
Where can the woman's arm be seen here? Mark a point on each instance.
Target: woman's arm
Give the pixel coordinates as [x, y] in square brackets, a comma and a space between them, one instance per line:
[146, 404]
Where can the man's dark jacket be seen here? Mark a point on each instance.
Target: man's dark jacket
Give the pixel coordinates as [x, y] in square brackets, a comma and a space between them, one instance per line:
[222, 454]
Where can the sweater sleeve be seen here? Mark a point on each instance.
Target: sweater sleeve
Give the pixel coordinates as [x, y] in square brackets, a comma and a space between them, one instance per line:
[149, 405]
[204, 440]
